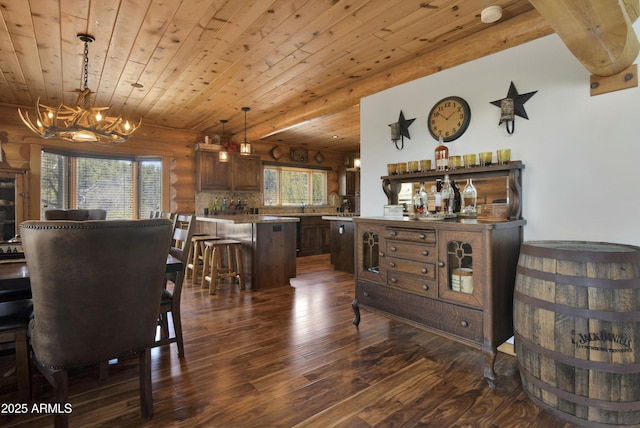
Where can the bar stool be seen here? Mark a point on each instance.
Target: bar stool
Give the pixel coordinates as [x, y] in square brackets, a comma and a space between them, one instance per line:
[196, 256]
[213, 269]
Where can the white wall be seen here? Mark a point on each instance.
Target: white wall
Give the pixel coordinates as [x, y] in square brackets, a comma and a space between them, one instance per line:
[581, 153]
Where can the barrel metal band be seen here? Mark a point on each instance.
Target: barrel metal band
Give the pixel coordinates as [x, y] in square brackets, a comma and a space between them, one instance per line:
[583, 256]
[613, 316]
[627, 406]
[616, 284]
[623, 368]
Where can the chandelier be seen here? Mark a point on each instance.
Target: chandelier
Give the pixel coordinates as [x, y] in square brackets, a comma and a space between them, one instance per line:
[83, 123]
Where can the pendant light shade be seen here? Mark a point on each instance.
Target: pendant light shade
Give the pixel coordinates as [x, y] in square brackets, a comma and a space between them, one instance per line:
[245, 146]
[223, 155]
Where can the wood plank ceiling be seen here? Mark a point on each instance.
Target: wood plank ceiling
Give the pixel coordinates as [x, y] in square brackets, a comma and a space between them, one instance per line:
[300, 65]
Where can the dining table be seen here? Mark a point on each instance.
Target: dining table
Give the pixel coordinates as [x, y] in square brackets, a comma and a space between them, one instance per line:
[14, 274]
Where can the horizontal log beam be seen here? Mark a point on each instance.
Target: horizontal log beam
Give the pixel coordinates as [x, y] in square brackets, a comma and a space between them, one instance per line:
[521, 29]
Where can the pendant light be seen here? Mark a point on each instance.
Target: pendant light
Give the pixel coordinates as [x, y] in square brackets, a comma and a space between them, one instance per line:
[223, 155]
[83, 123]
[245, 147]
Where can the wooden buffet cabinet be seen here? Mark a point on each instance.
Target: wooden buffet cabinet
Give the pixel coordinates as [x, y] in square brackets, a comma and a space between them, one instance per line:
[453, 277]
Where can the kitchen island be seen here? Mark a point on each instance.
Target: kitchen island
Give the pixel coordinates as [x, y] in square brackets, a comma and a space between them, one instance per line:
[268, 245]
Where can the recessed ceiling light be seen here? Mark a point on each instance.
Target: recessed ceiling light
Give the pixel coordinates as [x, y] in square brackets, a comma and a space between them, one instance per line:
[334, 136]
[491, 14]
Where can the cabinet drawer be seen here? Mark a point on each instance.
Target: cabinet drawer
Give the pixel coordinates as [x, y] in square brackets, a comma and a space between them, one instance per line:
[406, 250]
[413, 283]
[412, 235]
[441, 317]
[423, 269]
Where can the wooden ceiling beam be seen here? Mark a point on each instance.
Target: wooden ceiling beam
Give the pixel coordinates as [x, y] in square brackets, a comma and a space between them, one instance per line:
[520, 29]
[599, 33]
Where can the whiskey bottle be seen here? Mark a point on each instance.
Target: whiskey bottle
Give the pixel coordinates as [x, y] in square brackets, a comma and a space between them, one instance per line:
[442, 156]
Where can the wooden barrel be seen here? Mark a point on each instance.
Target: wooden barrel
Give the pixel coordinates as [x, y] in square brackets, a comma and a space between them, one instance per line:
[577, 330]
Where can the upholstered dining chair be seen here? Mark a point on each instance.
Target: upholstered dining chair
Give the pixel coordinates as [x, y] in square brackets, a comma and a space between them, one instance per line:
[76, 214]
[183, 227]
[96, 289]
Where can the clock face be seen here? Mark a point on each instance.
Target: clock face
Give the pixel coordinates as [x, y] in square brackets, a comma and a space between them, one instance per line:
[449, 118]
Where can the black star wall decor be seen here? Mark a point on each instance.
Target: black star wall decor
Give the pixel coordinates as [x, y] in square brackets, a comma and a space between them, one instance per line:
[512, 106]
[400, 129]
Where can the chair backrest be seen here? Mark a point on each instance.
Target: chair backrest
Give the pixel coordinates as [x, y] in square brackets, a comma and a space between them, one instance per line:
[96, 287]
[183, 227]
[76, 214]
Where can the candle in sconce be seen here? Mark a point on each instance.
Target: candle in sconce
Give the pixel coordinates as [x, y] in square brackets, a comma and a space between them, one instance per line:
[395, 131]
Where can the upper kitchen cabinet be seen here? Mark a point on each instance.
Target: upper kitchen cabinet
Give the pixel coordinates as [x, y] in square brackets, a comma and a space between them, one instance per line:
[242, 173]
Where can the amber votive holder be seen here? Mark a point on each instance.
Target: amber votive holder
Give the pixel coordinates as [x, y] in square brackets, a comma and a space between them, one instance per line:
[485, 158]
[401, 167]
[414, 166]
[455, 162]
[425, 165]
[470, 160]
[392, 169]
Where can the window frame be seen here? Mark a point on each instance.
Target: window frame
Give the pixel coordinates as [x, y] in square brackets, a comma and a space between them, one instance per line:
[279, 168]
[71, 169]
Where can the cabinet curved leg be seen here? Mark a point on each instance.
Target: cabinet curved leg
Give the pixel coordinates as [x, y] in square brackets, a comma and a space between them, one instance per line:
[356, 311]
[489, 363]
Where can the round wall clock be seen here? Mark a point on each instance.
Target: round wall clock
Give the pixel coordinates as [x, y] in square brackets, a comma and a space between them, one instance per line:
[449, 118]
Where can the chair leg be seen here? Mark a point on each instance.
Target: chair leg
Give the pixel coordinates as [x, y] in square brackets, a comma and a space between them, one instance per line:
[22, 365]
[61, 394]
[239, 267]
[146, 392]
[215, 265]
[177, 327]
[205, 266]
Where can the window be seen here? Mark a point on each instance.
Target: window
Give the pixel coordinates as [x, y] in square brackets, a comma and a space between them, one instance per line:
[294, 186]
[126, 187]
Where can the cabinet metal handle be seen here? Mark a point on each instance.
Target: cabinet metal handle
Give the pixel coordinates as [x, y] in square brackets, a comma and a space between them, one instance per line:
[365, 294]
[381, 254]
[392, 264]
[424, 270]
[422, 236]
[394, 233]
[464, 323]
[425, 287]
[441, 264]
[394, 280]
[394, 249]
[425, 252]
[341, 229]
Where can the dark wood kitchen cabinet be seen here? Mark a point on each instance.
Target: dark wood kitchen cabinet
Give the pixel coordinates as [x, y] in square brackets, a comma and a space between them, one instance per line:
[342, 255]
[314, 236]
[242, 173]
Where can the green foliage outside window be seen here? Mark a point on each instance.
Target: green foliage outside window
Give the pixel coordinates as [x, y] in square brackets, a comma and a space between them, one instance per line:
[294, 186]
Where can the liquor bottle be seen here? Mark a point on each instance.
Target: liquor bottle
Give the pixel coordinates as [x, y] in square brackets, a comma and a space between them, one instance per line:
[438, 194]
[239, 205]
[216, 204]
[225, 205]
[447, 196]
[457, 199]
[469, 198]
[431, 200]
[425, 198]
[442, 156]
[232, 205]
[417, 203]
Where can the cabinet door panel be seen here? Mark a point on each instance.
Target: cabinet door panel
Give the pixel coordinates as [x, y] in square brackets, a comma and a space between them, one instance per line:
[461, 267]
[247, 173]
[213, 174]
[369, 247]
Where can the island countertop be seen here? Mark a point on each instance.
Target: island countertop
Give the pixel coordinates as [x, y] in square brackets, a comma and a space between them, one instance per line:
[248, 219]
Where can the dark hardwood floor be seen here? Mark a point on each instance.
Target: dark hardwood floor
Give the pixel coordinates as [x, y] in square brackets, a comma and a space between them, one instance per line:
[289, 356]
